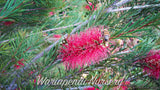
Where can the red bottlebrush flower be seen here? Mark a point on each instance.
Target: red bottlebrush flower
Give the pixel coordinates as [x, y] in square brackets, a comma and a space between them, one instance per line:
[153, 61]
[18, 66]
[31, 72]
[91, 88]
[88, 7]
[56, 36]
[7, 23]
[34, 81]
[84, 48]
[123, 86]
[51, 14]
[20, 63]
[22, 60]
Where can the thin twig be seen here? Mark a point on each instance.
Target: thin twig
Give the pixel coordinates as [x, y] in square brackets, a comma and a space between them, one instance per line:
[122, 2]
[35, 9]
[84, 23]
[135, 7]
[117, 5]
[59, 28]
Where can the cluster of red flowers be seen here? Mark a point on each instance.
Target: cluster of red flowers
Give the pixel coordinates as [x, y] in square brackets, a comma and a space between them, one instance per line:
[57, 36]
[7, 23]
[51, 14]
[19, 64]
[153, 63]
[89, 7]
[84, 48]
